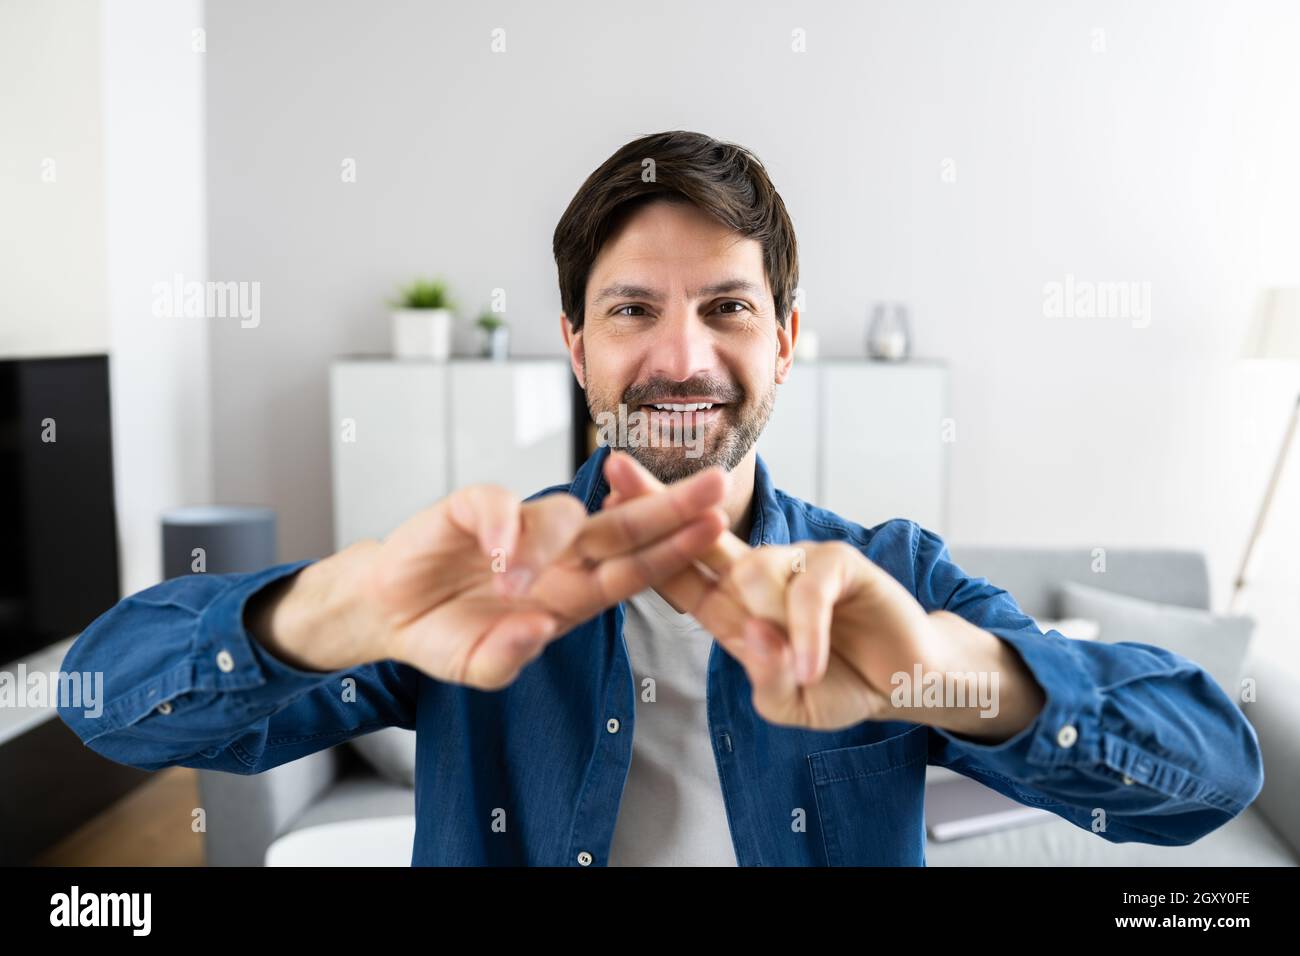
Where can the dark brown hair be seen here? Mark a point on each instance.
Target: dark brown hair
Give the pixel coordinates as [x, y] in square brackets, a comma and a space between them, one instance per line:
[724, 180]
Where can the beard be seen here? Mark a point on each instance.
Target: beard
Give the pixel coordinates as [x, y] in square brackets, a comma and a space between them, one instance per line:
[723, 441]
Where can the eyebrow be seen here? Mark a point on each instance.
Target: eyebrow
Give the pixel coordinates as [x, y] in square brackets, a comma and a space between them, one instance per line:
[626, 291]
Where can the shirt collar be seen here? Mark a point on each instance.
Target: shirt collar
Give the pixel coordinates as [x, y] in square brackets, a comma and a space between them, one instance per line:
[768, 527]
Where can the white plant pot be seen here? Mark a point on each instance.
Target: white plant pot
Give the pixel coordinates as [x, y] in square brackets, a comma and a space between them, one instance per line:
[422, 333]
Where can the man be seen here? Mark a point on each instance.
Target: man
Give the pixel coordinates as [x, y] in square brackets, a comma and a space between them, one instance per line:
[525, 641]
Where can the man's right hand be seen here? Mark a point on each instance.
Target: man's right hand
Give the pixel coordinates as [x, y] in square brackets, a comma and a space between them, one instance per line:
[474, 588]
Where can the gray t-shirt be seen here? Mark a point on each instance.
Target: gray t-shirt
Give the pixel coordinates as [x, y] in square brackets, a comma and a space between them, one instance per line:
[672, 812]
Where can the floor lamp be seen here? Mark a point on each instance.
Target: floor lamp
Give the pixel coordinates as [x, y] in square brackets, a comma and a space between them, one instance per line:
[1274, 334]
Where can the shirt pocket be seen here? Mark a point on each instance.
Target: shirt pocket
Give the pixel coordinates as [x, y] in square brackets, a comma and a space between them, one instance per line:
[871, 800]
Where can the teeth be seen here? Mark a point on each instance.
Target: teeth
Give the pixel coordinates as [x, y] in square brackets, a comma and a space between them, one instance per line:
[688, 407]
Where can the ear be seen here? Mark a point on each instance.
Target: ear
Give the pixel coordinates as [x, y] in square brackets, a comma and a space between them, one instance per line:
[573, 342]
[786, 336]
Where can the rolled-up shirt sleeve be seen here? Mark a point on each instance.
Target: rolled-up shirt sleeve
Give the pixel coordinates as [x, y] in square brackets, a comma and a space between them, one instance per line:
[1134, 741]
[181, 682]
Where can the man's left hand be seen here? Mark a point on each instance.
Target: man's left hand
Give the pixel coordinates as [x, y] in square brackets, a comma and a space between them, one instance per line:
[822, 632]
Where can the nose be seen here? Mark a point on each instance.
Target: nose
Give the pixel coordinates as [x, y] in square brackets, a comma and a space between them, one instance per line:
[683, 348]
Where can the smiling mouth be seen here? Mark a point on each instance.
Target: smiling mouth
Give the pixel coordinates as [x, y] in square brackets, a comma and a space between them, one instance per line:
[682, 406]
[683, 422]
[688, 413]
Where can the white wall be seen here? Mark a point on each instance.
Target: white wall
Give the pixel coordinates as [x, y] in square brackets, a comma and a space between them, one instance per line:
[153, 113]
[52, 271]
[1167, 158]
[113, 97]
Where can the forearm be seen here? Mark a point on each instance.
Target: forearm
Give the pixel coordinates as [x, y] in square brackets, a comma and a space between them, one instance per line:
[171, 675]
[1013, 699]
[1133, 742]
[319, 619]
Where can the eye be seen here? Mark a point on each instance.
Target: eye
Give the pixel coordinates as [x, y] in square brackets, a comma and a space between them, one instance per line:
[741, 305]
[619, 310]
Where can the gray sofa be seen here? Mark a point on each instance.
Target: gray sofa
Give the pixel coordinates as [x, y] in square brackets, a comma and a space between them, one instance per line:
[247, 813]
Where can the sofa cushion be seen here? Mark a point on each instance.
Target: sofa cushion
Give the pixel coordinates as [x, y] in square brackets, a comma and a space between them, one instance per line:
[1218, 642]
[1081, 629]
[1245, 840]
[364, 841]
[357, 797]
[391, 751]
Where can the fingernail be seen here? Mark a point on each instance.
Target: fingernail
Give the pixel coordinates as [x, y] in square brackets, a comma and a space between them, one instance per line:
[804, 668]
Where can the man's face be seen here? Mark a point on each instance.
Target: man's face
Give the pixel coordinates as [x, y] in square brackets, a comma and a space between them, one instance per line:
[679, 312]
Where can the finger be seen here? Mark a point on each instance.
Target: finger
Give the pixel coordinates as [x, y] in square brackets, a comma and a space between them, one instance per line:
[700, 594]
[721, 614]
[487, 513]
[637, 523]
[629, 479]
[810, 609]
[549, 526]
[768, 663]
[760, 580]
[620, 577]
[514, 640]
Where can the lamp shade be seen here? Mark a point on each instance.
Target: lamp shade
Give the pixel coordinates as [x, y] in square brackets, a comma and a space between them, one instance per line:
[1275, 328]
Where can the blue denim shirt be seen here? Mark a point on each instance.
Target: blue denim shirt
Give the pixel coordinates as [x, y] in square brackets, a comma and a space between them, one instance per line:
[1134, 730]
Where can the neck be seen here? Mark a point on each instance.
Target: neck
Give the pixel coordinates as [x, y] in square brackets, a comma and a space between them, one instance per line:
[739, 503]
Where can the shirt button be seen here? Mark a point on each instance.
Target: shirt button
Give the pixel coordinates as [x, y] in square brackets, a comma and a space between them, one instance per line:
[225, 661]
[612, 725]
[1127, 780]
[1067, 735]
[584, 858]
[165, 707]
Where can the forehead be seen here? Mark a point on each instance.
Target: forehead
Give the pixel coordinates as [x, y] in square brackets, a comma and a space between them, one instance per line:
[674, 245]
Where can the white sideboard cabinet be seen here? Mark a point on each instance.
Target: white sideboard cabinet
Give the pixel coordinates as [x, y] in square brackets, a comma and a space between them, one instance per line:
[405, 432]
[864, 439]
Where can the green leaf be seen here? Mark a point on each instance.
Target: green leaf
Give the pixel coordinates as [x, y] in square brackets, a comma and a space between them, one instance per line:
[424, 294]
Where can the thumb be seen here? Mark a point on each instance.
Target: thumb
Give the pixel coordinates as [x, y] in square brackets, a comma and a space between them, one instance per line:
[487, 513]
[548, 527]
[514, 641]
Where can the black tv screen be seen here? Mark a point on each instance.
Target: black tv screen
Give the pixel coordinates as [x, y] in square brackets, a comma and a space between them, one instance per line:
[59, 564]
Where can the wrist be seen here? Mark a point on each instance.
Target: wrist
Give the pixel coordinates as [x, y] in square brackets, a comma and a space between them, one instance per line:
[1004, 697]
[320, 621]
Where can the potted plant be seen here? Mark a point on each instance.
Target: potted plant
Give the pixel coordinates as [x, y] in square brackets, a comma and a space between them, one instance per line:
[495, 335]
[422, 321]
